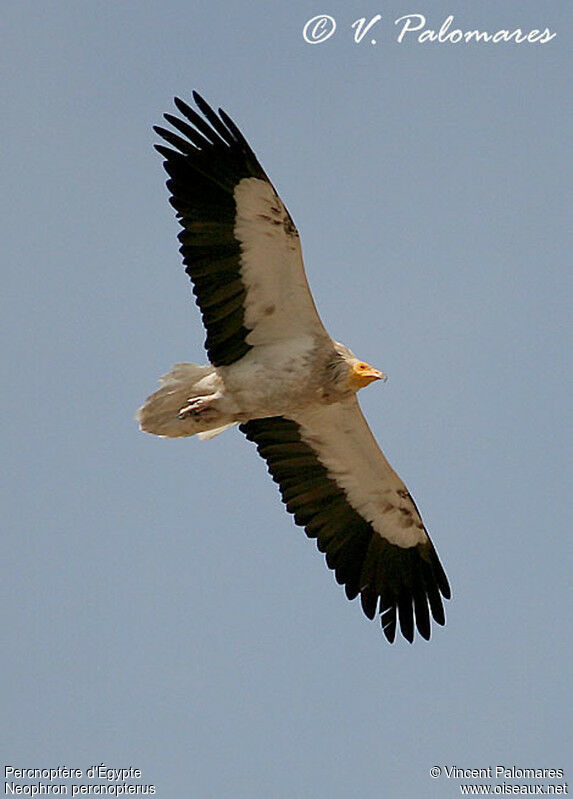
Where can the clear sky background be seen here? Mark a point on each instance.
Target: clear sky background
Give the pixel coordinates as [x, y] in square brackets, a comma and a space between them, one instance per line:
[161, 610]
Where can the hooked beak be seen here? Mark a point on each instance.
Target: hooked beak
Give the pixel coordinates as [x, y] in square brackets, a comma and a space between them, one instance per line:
[376, 374]
[363, 374]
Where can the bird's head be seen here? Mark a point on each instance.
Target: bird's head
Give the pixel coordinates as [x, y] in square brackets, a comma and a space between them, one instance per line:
[360, 374]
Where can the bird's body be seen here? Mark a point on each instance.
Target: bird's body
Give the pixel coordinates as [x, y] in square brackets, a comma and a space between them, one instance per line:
[277, 373]
[277, 379]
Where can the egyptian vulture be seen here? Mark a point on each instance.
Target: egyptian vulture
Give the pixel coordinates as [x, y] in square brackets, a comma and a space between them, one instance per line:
[276, 372]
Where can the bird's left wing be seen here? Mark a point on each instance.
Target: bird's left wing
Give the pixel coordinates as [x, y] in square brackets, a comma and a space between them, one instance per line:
[240, 246]
[336, 481]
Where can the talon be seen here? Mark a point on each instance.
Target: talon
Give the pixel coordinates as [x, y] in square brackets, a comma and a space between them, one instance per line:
[197, 406]
[190, 410]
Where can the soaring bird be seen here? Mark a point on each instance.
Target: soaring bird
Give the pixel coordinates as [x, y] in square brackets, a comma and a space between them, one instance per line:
[275, 371]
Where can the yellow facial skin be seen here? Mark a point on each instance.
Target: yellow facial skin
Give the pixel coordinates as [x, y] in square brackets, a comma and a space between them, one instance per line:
[361, 374]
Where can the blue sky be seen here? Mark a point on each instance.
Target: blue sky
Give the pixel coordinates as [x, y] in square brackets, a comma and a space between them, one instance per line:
[160, 608]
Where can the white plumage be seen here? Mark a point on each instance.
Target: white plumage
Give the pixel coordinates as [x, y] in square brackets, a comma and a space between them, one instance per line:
[276, 372]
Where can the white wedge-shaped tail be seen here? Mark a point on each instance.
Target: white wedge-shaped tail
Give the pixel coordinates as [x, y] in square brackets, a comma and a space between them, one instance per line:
[167, 412]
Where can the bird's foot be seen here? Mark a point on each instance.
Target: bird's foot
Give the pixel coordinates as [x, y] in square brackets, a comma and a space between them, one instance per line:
[199, 407]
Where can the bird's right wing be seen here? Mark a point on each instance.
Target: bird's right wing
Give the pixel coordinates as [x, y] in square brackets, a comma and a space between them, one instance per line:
[240, 246]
